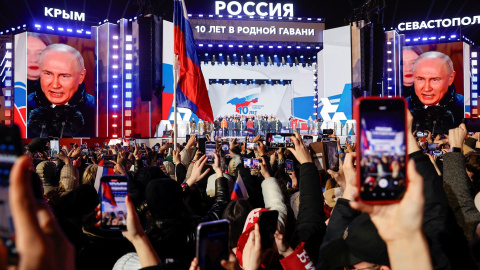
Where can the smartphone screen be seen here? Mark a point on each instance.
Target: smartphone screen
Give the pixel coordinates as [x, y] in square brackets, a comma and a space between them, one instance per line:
[432, 146]
[225, 147]
[307, 140]
[10, 150]
[212, 244]
[382, 149]
[332, 155]
[289, 165]
[113, 190]
[54, 147]
[348, 140]
[267, 221]
[108, 159]
[210, 148]
[279, 140]
[251, 146]
[251, 163]
[156, 148]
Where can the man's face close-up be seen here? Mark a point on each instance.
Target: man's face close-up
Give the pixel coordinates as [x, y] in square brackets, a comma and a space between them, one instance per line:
[432, 80]
[60, 76]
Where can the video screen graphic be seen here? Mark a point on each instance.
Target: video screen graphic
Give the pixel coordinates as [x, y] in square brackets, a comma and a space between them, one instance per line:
[60, 98]
[114, 209]
[433, 85]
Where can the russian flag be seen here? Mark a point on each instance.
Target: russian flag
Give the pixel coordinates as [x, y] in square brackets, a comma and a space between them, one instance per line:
[107, 194]
[191, 88]
[239, 190]
[101, 171]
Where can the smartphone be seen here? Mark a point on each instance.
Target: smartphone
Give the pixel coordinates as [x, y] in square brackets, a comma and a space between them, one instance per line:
[155, 148]
[307, 140]
[289, 165]
[210, 148]
[84, 145]
[348, 140]
[108, 159]
[438, 153]
[432, 146]
[159, 161]
[267, 222]
[421, 134]
[251, 163]
[331, 152]
[201, 143]
[165, 141]
[472, 124]
[212, 243]
[279, 140]
[251, 146]
[382, 149]
[328, 131]
[143, 145]
[113, 191]
[54, 147]
[10, 150]
[225, 147]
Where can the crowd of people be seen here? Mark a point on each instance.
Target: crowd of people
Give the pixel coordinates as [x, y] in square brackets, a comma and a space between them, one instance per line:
[241, 125]
[321, 224]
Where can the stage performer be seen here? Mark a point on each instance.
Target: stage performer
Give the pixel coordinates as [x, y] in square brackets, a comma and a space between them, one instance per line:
[310, 125]
[224, 125]
[435, 105]
[201, 127]
[250, 125]
[278, 125]
[60, 105]
[193, 126]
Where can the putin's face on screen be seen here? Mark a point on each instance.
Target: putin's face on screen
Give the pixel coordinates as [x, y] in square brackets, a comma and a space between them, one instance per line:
[432, 79]
[60, 76]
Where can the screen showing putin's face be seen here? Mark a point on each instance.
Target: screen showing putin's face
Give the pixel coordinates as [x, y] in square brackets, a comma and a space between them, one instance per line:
[60, 76]
[432, 79]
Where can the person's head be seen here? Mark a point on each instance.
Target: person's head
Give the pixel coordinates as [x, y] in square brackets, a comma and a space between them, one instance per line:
[36, 43]
[410, 54]
[62, 70]
[89, 175]
[433, 73]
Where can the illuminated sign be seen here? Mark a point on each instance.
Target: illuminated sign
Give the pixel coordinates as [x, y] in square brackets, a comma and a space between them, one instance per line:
[251, 9]
[66, 15]
[406, 26]
[249, 30]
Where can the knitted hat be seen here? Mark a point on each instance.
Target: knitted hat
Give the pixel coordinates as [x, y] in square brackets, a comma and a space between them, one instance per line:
[46, 170]
[69, 177]
[295, 203]
[129, 261]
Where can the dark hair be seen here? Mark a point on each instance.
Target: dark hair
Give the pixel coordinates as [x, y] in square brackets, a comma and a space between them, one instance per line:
[473, 166]
[236, 212]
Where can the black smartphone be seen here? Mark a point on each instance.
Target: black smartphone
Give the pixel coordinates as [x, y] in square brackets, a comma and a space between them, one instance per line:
[212, 244]
[109, 158]
[54, 147]
[251, 163]
[328, 131]
[307, 140]
[10, 150]
[226, 147]
[251, 146]
[267, 223]
[279, 140]
[438, 153]
[210, 148]
[155, 148]
[201, 143]
[472, 124]
[113, 191]
[331, 153]
[382, 149]
[289, 165]
[348, 140]
[432, 146]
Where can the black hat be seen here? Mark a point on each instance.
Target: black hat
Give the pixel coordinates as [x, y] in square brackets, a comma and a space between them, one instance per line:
[359, 243]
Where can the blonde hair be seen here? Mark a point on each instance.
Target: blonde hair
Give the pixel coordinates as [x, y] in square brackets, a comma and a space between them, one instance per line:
[89, 175]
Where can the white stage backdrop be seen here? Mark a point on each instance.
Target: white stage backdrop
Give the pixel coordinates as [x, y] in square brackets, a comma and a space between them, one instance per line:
[231, 99]
[282, 100]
